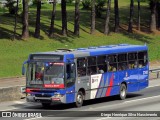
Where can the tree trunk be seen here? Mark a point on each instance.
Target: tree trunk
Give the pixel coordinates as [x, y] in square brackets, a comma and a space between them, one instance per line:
[64, 17]
[51, 31]
[116, 11]
[158, 15]
[131, 16]
[93, 17]
[37, 29]
[153, 16]
[76, 19]
[106, 29]
[139, 16]
[25, 31]
[15, 25]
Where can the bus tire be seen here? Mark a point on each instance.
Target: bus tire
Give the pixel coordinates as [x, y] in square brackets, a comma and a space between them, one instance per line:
[46, 105]
[79, 99]
[123, 91]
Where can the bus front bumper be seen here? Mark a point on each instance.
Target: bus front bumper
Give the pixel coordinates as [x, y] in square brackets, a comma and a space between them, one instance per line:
[53, 99]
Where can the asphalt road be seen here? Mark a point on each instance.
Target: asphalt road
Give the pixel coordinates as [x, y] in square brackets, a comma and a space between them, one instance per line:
[145, 100]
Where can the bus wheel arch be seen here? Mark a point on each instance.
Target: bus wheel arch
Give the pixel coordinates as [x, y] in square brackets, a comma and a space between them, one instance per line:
[123, 90]
[80, 97]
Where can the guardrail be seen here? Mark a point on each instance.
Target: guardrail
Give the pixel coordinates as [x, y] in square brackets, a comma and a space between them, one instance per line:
[157, 71]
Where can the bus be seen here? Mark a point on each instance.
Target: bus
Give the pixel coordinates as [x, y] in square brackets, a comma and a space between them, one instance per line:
[75, 75]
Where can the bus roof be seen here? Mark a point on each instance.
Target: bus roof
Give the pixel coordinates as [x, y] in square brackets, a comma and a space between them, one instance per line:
[99, 50]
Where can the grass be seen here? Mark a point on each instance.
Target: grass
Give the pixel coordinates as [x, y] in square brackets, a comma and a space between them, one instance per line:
[13, 53]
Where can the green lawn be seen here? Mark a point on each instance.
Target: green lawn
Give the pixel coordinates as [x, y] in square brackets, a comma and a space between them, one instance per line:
[13, 53]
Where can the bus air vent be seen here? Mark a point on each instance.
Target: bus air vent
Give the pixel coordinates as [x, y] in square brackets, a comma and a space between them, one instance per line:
[81, 49]
[91, 47]
[123, 45]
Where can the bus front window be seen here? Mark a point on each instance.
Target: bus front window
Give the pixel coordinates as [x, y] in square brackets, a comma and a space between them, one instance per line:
[55, 73]
[47, 73]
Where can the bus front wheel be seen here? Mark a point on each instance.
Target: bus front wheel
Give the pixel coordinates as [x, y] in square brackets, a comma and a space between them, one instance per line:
[79, 99]
[123, 91]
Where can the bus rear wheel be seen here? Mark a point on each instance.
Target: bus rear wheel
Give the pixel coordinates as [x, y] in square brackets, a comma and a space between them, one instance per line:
[123, 92]
[79, 99]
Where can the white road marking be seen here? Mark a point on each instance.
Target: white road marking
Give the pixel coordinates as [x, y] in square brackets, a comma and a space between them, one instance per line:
[153, 86]
[19, 102]
[125, 102]
[33, 118]
[142, 99]
[9, 109]
[104, 118]
[91, 108]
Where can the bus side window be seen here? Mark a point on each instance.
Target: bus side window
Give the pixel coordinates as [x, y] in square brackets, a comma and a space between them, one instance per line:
[81, 67]
[91, 69]
[101, 64]
[122, 62]
[142, 59]
[132, 60]
[112, 65]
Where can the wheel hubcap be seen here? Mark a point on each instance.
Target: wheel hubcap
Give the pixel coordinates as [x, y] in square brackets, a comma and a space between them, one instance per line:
[79, 98]
[123, 92]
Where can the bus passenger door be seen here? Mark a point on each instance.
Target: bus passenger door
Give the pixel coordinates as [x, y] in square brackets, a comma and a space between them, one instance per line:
[70, 78]
[132, 73]
[143, 70]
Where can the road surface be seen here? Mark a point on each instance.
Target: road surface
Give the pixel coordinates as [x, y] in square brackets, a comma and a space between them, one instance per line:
[145, 100]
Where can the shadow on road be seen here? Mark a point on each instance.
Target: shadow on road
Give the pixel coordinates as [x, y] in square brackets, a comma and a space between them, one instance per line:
[97, 101]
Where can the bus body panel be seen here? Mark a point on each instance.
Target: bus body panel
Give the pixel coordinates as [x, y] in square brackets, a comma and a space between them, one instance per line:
[143, 77]
[97, 85]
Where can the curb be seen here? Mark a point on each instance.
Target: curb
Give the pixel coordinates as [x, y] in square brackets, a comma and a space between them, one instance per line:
[11, 93]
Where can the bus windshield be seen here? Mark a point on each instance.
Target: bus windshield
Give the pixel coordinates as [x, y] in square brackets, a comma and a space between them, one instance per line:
[46, 73]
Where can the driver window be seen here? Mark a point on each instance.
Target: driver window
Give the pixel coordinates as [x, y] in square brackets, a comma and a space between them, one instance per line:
[70, 74]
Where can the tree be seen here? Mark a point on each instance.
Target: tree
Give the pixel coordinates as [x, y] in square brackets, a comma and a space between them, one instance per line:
[158, 15]
[15, 25]
[131, 16]
[153, 15]
[116, 12]
[76, 18]
[93, 17]
[139, 17]
[37, 27]
[25, 31]
[99, 4]
[64, 17]
[106, 29]
[51, 31]
[10, 4]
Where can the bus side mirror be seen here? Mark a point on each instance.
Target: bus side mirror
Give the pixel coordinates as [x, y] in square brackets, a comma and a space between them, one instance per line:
[23, 68]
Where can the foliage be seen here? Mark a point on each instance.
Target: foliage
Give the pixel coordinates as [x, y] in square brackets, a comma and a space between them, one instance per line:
[86, 4]
[69, 1]
[13, 53]
[11, 5]
[99, 5]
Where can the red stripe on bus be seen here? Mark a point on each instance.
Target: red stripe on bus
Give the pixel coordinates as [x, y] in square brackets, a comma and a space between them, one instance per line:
[28, 90]
[110, 86]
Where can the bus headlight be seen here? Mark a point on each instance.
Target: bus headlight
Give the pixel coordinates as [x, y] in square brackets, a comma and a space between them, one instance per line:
[58, 95]
[28, 94]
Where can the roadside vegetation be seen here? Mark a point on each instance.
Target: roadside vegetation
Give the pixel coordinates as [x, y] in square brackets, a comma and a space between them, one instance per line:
[14, 51]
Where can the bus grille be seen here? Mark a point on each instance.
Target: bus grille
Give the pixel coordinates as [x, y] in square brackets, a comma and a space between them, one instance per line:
[44, 95]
